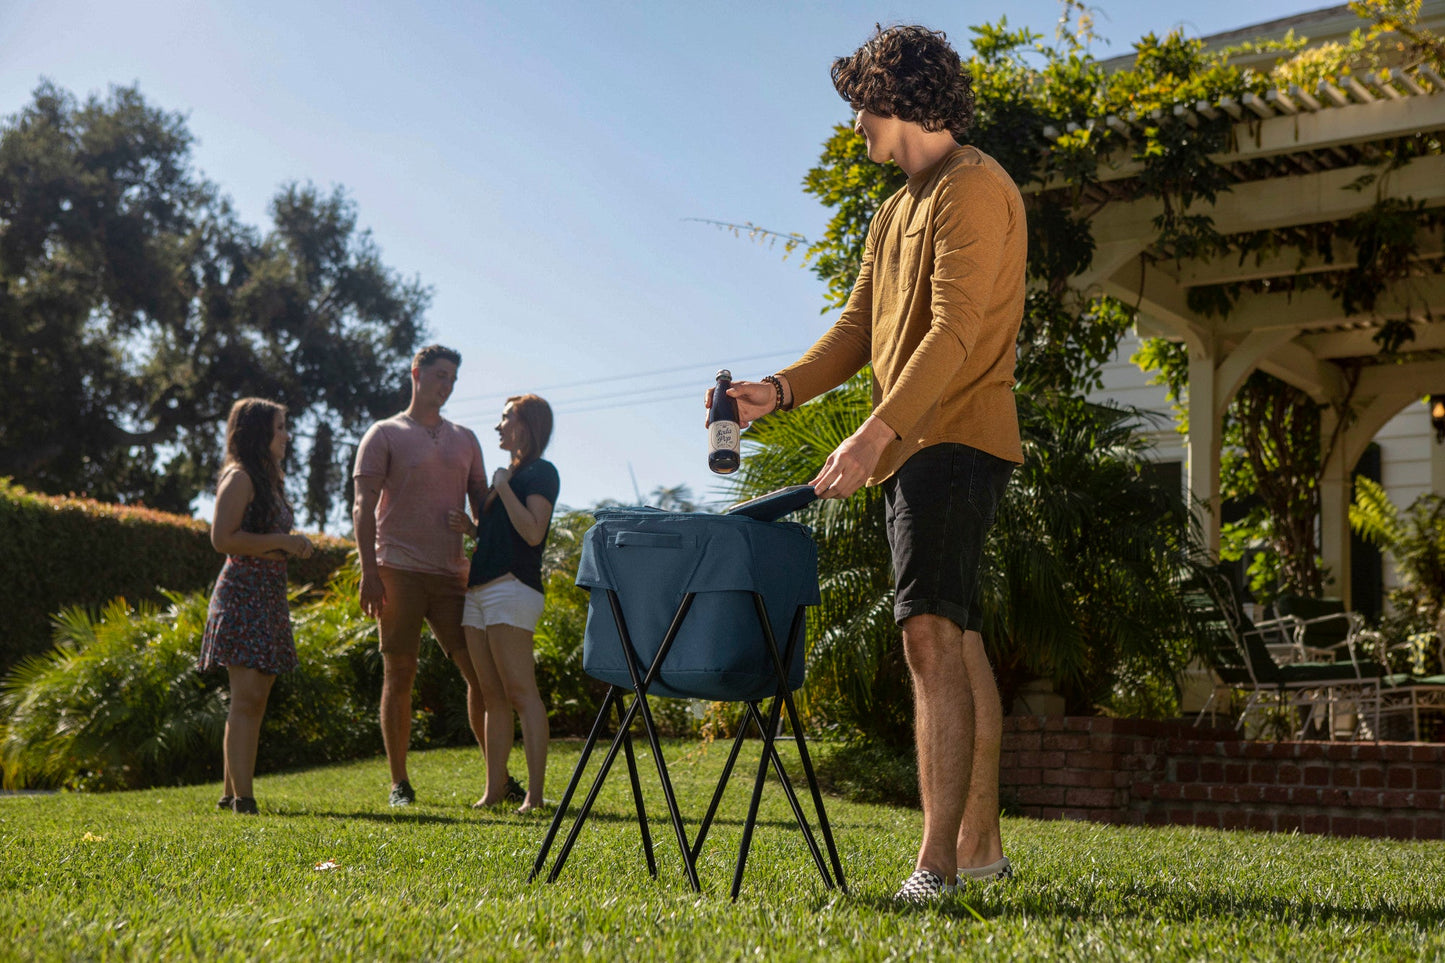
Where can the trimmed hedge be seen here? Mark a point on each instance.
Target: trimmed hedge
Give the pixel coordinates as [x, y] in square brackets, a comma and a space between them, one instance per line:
[58, 551]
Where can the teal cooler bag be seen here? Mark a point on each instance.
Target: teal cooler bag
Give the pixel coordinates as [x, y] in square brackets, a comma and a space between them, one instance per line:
[651, 559]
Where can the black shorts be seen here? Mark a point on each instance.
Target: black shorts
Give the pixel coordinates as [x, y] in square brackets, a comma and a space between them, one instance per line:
[939, 507]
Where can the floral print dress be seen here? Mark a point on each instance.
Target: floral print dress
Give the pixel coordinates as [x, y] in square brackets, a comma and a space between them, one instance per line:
[249, 620]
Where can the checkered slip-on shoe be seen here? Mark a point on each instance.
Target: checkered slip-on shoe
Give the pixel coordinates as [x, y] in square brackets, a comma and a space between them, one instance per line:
[923, 887]
[402, 794]
[992, 873]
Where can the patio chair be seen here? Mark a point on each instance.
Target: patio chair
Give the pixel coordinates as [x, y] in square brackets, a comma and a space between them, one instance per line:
[1320, 689]
[1410, 696]
[1323, 630]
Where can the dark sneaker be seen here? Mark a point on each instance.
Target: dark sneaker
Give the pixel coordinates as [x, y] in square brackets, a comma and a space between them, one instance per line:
[923, 887]
[402, 794]
[225, 802]
[992, 873]
[245, 805]
[516, 792]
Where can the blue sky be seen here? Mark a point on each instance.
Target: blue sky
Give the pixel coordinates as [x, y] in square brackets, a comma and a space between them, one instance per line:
[537, 164]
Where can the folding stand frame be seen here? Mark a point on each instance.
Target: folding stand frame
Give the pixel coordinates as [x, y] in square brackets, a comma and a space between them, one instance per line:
[767, 723]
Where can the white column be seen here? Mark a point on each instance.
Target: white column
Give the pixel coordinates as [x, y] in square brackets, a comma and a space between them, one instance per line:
[1204, 446]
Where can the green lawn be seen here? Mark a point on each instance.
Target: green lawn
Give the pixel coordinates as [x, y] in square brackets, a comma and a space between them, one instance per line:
[163, 874]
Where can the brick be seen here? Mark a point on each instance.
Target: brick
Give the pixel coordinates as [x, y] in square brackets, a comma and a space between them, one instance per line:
[1096, 798]
[1042, 796]
[1066, 777]
[1371, 826]
[1396, 799]
[1316, 776]
[1288, 774]
[1251, 794]
[1427, 754]
[1142, 790]
[1369, 753]
[1429, 827]
[1429, 777]
[1339, 752]
[1207, 818]
[1211, 772]
[1304, 796]
[1236, 772]
[1025, 723]
[1087, 723]
[1395, 753]
[1053, 760]
[1287, 823]
[1030, 759]
[1260, 822]
[1400, 777]
[1371, 777]
[1093, 760]
[1400, 827]
[1024, 777]
[1168, 790]
[1224, 794]
[1262, 773]
[1066, 741]
[1234, 819]
[1344, 777]
[1276, 794]
[1196, 792]
[1334, 797]
[1316, 823]
[1101, 780]
[1186, 771]
[1181, 817]
[1344, 826]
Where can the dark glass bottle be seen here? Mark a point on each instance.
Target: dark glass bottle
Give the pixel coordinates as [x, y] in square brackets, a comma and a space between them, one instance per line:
[722, 427]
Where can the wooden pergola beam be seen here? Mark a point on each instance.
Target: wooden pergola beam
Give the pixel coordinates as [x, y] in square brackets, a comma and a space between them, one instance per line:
[1360, 342]
[1283, 202]
[1317, 308]
[1232, 268]
[1256, 139]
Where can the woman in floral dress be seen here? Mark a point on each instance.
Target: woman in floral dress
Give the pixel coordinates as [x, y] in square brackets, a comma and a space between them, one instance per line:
[248, 626]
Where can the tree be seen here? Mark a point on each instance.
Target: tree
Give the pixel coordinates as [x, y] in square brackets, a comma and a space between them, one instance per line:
[135, 307]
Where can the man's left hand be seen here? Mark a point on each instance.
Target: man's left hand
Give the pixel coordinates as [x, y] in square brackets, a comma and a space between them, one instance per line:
[850, 464]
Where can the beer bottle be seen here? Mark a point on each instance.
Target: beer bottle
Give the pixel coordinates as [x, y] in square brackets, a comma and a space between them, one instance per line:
[722, 427]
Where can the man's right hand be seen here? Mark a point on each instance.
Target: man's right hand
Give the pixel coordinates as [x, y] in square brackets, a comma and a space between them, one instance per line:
[754, 398]
[373, 594]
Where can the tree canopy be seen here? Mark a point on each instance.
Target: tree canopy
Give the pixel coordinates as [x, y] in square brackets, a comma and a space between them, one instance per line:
[135, 307]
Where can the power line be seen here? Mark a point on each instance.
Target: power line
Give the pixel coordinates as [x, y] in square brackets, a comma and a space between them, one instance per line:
[588, 382]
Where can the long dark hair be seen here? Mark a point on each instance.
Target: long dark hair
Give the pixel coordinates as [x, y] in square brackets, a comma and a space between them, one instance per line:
[536, 417]
[249, 431]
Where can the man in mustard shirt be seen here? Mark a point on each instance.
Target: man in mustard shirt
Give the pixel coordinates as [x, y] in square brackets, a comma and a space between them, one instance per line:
[936, 310]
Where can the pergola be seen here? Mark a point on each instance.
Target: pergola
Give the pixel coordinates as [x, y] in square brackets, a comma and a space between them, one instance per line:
[1296, 158]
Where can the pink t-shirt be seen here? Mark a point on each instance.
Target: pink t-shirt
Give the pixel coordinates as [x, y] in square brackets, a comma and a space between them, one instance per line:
[422, 476]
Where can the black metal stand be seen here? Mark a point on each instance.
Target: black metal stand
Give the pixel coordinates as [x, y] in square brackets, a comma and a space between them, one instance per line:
[767, 726]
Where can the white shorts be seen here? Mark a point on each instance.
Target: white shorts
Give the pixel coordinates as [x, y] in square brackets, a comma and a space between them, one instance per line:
[503, 602]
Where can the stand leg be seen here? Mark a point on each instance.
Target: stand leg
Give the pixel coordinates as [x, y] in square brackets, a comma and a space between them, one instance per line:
[721, 785]
[572, 786]
[797, 806]
[807, 761]
[752, 819]
[637, 795]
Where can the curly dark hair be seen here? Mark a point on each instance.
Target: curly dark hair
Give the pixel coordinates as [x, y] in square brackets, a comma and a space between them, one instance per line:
[911, 73]
[249, 431]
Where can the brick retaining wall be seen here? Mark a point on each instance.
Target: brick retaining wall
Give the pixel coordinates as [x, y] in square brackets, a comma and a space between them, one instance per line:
[1132, 771]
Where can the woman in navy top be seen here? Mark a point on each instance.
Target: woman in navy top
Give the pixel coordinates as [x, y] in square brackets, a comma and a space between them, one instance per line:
[504, 596]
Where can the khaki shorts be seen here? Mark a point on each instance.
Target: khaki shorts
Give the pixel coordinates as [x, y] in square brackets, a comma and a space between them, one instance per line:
[414, 597]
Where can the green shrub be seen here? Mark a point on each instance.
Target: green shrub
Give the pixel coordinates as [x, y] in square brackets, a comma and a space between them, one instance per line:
[868, 771]
[61, 552]
[117, 702]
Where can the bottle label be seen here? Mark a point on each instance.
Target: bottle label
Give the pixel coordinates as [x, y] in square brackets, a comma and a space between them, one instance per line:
[723, 435]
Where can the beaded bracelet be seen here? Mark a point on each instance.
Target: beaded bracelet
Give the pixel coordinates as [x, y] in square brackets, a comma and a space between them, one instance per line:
[777, 387]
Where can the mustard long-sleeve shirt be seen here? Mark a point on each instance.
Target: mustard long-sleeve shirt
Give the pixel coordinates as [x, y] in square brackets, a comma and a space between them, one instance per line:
[936, 309]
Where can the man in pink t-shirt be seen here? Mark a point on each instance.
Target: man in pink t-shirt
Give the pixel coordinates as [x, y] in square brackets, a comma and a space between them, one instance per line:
[411, 469]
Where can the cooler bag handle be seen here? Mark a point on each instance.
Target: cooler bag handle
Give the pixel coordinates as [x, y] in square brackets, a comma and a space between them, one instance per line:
[652, 540]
